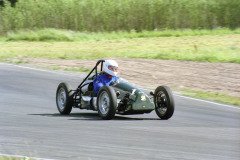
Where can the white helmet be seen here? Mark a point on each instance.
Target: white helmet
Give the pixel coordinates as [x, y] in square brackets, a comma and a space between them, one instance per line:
[110, 67]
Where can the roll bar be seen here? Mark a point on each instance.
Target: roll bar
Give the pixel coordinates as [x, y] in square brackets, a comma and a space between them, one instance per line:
[94, 68]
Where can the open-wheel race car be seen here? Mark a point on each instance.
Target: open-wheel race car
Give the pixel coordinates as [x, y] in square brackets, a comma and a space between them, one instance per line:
[119, 97]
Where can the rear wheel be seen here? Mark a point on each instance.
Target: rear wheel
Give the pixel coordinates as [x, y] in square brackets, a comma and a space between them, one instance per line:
[164, 102]
[107, 102]
[64, 98]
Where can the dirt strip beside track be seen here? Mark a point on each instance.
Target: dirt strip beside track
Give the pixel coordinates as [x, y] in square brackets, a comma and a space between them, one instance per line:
[150, 73]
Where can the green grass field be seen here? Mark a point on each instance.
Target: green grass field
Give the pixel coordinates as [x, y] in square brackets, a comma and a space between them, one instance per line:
[190, 45]
[50, 34]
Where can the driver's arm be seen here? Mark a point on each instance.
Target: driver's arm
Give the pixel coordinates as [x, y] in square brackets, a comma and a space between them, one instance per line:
[97, 84]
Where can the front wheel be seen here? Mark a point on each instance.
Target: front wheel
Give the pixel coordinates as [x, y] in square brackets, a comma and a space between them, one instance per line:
[64, 98]
[106, 102]
[164, 102]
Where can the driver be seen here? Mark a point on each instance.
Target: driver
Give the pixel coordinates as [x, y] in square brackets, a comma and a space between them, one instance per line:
[110, 68]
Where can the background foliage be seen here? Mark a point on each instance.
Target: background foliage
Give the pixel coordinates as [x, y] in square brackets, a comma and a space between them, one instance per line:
[116, 15]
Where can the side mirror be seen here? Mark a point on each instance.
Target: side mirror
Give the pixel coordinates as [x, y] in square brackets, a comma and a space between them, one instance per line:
[118, 93]
[151, 93]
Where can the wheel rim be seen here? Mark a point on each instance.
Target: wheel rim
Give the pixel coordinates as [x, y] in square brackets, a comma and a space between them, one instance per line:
[161, 103]
[61, 99]
[103, 103]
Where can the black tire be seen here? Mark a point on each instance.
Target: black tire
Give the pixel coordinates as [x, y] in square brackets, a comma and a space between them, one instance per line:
[164, 102]
[106, 102]
[64, 98]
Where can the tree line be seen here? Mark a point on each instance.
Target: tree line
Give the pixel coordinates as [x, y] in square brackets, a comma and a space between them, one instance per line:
[116, 15]
[11, 1]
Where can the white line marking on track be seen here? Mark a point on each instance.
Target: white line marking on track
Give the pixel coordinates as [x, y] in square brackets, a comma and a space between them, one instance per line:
[19, 156]
[201, 100]
[68, 74]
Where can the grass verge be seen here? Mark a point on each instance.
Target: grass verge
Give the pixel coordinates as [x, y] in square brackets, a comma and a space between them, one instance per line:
[223, 98]
[77, 69]
[55, 68]
[13, 158]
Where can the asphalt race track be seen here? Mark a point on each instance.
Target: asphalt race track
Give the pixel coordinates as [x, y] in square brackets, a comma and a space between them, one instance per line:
[30, 125]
